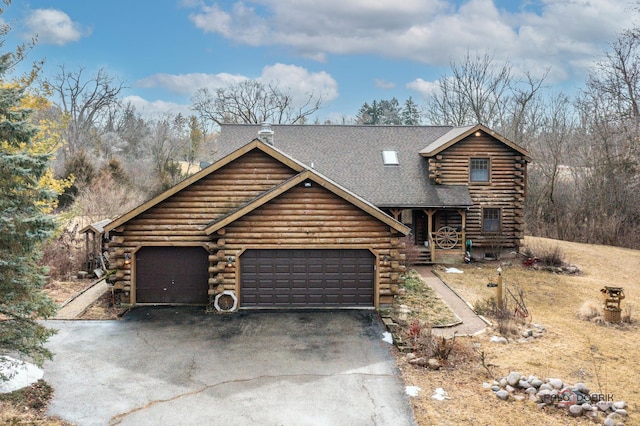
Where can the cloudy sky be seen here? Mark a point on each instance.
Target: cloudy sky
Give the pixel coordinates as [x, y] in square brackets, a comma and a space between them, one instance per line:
[350, 51]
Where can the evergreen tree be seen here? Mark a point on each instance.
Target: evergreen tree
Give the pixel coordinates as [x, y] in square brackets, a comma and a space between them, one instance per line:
[410, 113]
[23, 225]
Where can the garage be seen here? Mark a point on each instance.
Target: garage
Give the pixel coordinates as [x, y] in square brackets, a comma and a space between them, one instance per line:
[175, 275]
[307, 278]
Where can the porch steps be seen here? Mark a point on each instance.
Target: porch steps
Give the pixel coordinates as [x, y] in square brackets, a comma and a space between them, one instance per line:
[423, 257]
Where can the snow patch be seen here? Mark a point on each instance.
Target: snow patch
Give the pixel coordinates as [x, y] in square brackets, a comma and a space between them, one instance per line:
[387, 337]
[412, 390]
[440, 394]
[453, 271]
[20, 374]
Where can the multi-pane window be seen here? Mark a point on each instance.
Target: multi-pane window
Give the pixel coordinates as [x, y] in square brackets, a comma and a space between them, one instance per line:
[490, 220]
[479, 170]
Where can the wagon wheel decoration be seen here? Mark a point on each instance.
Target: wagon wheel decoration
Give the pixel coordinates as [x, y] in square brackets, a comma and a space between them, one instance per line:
[446, 237]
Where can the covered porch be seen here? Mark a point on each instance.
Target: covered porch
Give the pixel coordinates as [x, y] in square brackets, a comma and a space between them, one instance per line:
[438, 233]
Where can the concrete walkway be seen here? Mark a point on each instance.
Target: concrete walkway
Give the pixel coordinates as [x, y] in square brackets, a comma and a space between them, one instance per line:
[471, 325]
[74, 308]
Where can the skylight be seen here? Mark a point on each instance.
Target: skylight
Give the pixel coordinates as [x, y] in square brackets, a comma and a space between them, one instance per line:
[390, 158]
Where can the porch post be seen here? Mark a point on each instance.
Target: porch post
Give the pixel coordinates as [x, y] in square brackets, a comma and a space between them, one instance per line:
[432, 249]
[463, 215]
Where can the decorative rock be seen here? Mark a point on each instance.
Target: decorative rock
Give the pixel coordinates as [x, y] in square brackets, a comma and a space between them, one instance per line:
[418, 361]
[545, 386]
[433, 364]
[519, 398]
[615, 417]
[495, 388]
[582, 388]
[502, 394]
[531, 391]
[619, 405]
[503, 382]
[410, 356]
[621, 411]
[604, 405]
[523, 384]
[575, 410]
[536, 383]
[509, 389]
[555, 383]
[587, 407]
[498, 339]
[609, 422]
[513, 378]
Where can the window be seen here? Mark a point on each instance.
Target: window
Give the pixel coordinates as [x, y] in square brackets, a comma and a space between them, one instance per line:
[490, 220]
[390, 158]
[479, 170]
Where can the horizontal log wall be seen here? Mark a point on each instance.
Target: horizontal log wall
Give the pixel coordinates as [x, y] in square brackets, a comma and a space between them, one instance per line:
[180, 219]
[505, 190]
[316, 218]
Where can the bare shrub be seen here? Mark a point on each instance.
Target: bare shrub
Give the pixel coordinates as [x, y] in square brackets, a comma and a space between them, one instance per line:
[426, 344]
[545, 255]
[589, 311]
[411, 251]
[60, 255]
[106, 197]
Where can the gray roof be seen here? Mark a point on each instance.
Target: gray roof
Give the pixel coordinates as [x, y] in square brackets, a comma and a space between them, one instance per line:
[352, 157]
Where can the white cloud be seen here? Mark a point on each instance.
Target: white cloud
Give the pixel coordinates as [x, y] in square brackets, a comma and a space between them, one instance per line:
[188, 83]
[300, 82]
[297, 80]
[423, 87]
[53, 27]
[155, 109]
[553, 33]
[384, 84]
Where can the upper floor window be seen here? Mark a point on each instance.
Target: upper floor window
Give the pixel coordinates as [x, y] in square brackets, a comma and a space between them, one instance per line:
[479, 170]
[490, 219]
[390, 158]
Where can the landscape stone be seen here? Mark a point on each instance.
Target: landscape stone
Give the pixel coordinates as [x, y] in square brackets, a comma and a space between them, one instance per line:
[575, 410]
[498, 339]
[531, 390]
[502, 394]
[621, 411]
[620, 405]
[609, 422]
[503, 382]
[545, 386]
[555, 383]
[523, 384]
[582, 388]
[536, 383]
[604, 405]
[495, 388]
[510, 389]
[513, 378]
[519, 398]
[433, 364]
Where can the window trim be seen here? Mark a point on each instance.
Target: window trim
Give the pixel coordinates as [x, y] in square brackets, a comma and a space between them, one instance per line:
[484, 220]
[471, 169]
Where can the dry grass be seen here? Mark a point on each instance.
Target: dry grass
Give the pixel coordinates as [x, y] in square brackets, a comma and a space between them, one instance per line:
[424, 302]
[61, 291]
[602, 356]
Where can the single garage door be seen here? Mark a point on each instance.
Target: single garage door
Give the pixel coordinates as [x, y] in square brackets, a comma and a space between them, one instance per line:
[307, 278]
[172, 275]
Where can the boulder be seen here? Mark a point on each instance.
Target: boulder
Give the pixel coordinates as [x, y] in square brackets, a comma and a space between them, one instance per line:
[433, 364]
[604, 405]
[582, 388]
[513, 378]
[502, 394]
[575, 410]
[619, 405]
[555, 383]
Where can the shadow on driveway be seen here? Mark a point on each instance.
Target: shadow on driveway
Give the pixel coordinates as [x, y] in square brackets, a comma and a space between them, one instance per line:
[181, 366]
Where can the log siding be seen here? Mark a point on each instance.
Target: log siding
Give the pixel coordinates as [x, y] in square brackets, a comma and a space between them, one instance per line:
[504, 190]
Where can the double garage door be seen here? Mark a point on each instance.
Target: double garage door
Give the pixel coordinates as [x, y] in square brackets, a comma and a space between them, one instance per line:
[268, 278]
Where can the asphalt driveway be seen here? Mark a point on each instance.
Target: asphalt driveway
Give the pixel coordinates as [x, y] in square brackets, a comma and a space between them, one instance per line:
[180, 366]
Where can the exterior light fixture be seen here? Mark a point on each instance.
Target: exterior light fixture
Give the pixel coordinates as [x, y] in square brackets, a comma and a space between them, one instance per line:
[127, 258]
[230, 261]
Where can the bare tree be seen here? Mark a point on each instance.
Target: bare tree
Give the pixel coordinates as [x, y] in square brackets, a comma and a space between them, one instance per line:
[84, 101]
[251, 101]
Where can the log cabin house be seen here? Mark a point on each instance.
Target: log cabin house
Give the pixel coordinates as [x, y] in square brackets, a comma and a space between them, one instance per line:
[297, 216]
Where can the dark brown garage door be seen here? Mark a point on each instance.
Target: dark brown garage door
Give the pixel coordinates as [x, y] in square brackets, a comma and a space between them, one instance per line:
[173, 275]
[307, 278]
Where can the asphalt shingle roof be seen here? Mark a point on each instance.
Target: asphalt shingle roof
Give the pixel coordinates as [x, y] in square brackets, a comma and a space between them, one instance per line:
[352, 157]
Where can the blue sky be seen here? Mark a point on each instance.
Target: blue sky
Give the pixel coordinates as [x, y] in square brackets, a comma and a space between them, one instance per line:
[350, 51]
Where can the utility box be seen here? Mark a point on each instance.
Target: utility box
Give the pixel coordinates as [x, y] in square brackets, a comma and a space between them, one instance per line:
[612, 298]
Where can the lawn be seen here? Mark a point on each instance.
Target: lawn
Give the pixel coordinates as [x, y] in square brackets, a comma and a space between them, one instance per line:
[602, 356]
